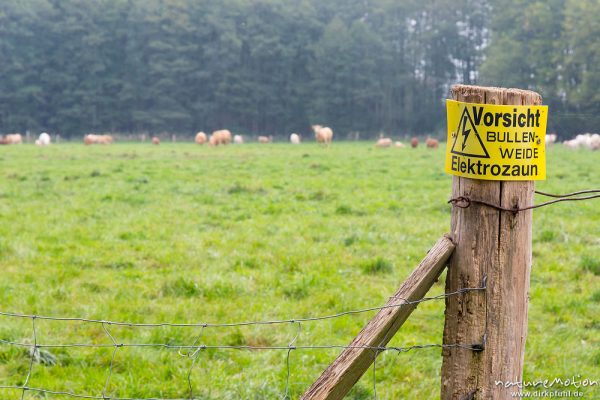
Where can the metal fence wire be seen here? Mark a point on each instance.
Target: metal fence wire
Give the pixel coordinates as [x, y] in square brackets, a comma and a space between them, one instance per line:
[194, 350]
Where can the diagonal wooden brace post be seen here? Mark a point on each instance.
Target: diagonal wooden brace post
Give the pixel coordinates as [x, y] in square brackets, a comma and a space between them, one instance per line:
[337, 380]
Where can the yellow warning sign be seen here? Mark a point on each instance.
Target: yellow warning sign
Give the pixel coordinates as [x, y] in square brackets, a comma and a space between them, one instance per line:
[504, 143]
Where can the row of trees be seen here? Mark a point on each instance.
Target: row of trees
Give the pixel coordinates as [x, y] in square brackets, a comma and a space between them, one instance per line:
[273, 66]
[550, 46]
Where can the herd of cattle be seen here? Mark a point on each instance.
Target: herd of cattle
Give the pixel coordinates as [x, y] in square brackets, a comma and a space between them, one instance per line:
[587, 140]
[323, 135]
[414, 143]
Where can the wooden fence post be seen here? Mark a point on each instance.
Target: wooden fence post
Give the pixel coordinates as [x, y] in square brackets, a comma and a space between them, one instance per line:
[493, 247]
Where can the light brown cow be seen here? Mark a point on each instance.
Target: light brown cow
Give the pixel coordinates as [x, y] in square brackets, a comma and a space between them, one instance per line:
[200, 138]
[383, 142]
[222, 136]
[265, 139]
[323, 135]
[88, 139]
[414, 143]
[155, 140]
[97, 139]
[14, 138]
[432, 143]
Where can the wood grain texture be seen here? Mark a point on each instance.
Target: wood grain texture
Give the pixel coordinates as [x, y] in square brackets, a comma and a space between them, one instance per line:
[495, 245]
[337, 380]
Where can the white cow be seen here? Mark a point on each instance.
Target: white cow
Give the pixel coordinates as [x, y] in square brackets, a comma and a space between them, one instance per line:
[43, 140]
[295, 138]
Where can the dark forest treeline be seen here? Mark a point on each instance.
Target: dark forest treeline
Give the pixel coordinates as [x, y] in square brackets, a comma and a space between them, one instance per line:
[276, 66]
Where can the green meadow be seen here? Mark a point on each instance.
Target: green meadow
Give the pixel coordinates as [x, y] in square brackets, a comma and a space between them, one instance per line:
[187, 234]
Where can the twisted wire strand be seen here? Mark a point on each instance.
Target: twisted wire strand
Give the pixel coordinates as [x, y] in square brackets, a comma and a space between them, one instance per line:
[112, 360]
[244, 323]
[33, 351]
[465, 201]
[291, 347]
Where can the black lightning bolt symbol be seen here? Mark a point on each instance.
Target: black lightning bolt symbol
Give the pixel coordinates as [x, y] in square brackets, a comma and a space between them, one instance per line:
[465, 133]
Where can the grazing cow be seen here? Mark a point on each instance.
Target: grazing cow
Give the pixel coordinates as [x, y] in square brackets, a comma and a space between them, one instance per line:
[43, 140]
[551, 138]
[14, 138]
[383, 142]
[323, 135]
[265, 139]
[97, 139]
[225, 136]
[222, 136]
[90, 139]
[399, 145]
[432, 143]
[571, 144]
[155, 140]
[238, 139]
[294, 138]
[414, 143]
[200, 138]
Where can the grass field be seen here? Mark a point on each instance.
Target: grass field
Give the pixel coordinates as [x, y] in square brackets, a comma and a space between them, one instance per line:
[183, 233]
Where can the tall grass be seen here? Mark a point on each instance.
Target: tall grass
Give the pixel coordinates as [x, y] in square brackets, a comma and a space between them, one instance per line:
[184, 233]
